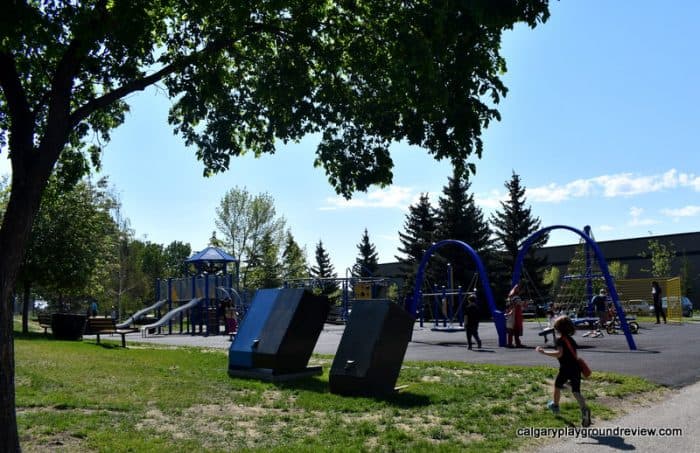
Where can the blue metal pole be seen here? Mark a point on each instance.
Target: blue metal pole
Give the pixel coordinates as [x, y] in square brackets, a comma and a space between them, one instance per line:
[170, 304]
[601, 263]
[436, 305]
[589, 271]
[498, 316]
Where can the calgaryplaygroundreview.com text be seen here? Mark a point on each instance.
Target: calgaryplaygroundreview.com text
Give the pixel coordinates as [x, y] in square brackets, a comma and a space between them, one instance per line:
[582, 433]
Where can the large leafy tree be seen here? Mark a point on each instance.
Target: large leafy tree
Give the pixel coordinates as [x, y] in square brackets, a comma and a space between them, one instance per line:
[512, 224]
[367, 261]
[70, 242]
[243, 75]
[175, 255]
[460, 218]
[244, 220]
[416, 238]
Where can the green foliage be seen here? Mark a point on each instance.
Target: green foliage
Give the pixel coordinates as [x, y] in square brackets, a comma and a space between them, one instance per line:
[4, 195]
[461, 219]
[367, 263]
[246, 75]
[265, 268]
[244, 220]
[661, 256]
[512, 224]
[550, 277]
[175, 255]
[324, 269]
[618, 270]
[70, 240]
[417, 237]
[294, 263]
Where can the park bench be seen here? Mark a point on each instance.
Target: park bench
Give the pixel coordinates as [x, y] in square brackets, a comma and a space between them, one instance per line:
[98, 326]
[44, 320]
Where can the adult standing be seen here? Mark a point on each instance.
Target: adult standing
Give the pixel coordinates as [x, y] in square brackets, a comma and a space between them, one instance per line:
[656, 297]
[517, 314]
[600, 305]
[471, 321]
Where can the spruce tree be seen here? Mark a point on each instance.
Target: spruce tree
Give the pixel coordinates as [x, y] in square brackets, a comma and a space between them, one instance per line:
[264, 268]
[512, 225]
[417, 237]
[293, 259]
[323, 270]
[367, 262]
[460, 218]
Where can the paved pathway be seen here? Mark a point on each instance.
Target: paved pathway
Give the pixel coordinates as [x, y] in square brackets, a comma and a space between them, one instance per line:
[680, 412]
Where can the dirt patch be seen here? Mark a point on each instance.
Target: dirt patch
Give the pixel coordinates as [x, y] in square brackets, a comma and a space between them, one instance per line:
[54, 444]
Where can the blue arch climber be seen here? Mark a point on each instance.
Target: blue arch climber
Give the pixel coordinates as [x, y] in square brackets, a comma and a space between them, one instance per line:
[601, 263]
[498, 316]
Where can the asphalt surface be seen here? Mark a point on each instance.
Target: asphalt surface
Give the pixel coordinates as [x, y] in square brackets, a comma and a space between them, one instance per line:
[667, 354]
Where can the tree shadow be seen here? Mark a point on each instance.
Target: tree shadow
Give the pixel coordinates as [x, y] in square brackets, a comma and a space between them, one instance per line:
[399, 398]
[18, 335]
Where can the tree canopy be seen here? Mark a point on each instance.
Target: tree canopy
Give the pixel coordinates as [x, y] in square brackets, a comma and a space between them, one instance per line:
[243, 76]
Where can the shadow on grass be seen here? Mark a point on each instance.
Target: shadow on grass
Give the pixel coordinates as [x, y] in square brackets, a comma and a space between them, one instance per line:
[401, 399]
[33, 336]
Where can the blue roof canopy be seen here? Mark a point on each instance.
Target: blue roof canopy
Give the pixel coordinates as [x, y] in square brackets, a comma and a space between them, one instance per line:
[211, 254]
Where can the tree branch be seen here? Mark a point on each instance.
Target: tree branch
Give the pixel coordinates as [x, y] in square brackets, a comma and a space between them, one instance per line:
[103, 101]
[21, 118]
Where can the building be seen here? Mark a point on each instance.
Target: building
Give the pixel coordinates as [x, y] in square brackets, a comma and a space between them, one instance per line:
[630, 252]
[626, 251]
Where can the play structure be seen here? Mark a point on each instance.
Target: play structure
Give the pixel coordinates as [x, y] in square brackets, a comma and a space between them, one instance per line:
[192, 304]
[444, 305]
[352, 288]
[592, 253]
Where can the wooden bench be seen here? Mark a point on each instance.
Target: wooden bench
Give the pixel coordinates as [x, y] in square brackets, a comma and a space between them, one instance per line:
[98, 326]
[44, 320]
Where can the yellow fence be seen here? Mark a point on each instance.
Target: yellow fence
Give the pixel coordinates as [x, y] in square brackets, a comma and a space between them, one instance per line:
[635, 296]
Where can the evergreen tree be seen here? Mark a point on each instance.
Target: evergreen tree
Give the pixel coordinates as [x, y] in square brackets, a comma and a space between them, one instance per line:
[294, 263]
[461, 219]
[323, 270]
[264, 268]
[367, 262]
[418, 235]
[512, 225]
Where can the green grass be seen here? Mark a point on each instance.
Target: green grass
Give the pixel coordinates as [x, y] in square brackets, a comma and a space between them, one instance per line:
[78, 396]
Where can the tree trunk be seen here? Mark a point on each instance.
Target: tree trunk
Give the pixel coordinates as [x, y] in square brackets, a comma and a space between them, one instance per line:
[25, 307]
[14, 235]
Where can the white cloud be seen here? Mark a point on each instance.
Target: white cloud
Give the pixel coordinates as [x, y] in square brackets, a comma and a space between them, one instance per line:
[637, 219]
[686, 211]
[391, 197]
[491, 200]
[617, 185]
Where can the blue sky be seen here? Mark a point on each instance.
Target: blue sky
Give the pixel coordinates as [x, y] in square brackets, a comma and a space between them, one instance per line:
[601, 122]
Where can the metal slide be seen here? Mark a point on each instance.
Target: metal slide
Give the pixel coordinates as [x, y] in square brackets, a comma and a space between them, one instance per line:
[139, 314]
[170, 315]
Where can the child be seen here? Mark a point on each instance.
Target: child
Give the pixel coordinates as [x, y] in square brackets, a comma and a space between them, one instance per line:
[568, 368]
[510, 322]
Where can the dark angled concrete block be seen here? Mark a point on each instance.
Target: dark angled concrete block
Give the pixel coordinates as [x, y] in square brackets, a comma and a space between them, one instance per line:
[372, 349]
